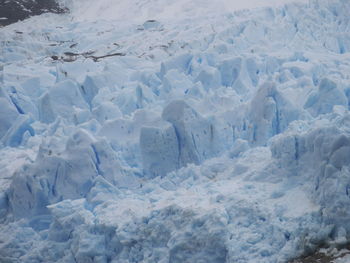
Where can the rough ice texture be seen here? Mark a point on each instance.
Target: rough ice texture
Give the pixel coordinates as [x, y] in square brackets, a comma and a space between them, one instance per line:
[215, 138]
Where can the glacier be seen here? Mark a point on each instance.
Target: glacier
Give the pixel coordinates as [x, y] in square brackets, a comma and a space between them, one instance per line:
[215, 134]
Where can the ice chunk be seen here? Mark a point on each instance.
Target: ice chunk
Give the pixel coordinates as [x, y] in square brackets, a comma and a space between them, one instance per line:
[159, 149]
[196, 136]
[229, 71]
[8, 114]
[22, 102]
[239, 73]
[89, 89]
[60, 101]
[106, 111]
[210, 77]
[33, 87]
[20, 126]
[270, 114]
[320, 156]
[151, 25]
[109, 167]
[325, 98]
[181, 63]
[131, 97]
[175, 83]
[119, 130]
[46, 113]
[186, 137]
[57, 175]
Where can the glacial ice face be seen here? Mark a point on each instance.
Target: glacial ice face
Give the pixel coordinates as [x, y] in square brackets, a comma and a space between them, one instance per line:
[183, 137]
[320, 155]
[195, 135]
[160, 149]
[59, 175]
[216, 139]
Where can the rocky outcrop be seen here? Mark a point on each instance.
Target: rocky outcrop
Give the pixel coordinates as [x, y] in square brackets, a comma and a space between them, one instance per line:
[13, 11]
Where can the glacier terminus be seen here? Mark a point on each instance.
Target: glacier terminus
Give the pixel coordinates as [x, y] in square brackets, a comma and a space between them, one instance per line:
[200, 131]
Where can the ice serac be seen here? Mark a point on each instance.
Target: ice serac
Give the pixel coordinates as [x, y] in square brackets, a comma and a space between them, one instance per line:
[270, 113]
[323, 100]
[175, 84]
[238, 73]
[20, 98]
[183, 137]
[106, 111]
[181, 62]
[90, 88]
[320, 155]
[8, 113]
[159, 149]
[15, 126]
[209, 77]
[196, 135]
[20, 130]
[64, 100]
[58, 174]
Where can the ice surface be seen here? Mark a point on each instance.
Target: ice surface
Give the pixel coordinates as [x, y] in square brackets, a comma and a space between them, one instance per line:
[213, 135]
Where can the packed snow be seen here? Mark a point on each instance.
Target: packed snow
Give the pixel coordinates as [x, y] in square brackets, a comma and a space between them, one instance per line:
[142, 10]
[187, 131]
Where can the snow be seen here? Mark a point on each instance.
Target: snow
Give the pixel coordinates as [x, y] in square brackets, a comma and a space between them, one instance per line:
[187, 131]
[141, 10]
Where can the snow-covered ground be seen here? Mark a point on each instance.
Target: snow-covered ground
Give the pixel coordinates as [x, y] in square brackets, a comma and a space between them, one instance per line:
[188, 131]
[142, 10]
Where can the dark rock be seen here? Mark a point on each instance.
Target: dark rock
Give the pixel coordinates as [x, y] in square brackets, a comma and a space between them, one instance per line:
[12, 11]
